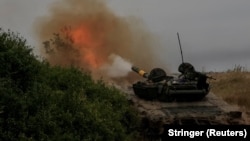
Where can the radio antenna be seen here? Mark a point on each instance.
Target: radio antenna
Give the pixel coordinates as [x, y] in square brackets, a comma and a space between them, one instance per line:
[180, 47]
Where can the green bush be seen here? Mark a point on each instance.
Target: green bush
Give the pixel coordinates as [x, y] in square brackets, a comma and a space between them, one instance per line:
[41, 102]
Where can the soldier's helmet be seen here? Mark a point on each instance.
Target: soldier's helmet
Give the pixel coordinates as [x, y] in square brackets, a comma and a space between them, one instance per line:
[186, 67]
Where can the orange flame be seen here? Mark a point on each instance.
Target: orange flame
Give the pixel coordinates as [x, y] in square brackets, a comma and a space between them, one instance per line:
[88, 43]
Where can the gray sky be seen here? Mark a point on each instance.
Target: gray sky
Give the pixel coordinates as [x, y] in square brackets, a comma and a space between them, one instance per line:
[215, 34]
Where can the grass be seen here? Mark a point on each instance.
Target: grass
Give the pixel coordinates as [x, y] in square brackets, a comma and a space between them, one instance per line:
[232, 86]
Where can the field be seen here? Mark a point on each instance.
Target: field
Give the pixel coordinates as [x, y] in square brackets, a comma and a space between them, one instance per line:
[232, 86]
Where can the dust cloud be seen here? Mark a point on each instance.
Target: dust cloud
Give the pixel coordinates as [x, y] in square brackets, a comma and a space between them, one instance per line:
[89, 35]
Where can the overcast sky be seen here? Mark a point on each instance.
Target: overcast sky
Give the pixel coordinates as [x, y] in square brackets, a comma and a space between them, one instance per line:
[215, 34]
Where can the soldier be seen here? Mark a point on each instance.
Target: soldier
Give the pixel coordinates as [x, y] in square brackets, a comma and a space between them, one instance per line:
[188, 73]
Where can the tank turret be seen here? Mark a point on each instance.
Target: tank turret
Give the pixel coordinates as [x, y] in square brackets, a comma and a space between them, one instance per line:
[169, 88]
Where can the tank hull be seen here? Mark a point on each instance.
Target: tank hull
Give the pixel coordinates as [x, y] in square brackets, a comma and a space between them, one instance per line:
[168, 91]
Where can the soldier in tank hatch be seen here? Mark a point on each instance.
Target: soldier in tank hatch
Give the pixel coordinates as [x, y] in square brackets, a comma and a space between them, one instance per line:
[188, 73]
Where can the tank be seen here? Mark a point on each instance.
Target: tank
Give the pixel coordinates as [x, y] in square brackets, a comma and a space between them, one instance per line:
[180, 99]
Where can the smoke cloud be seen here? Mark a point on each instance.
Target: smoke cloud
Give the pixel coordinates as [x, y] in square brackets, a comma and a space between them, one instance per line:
[87, 34]
[118, 68]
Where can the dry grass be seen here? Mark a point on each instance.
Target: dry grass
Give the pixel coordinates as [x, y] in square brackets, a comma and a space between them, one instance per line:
[232, 86]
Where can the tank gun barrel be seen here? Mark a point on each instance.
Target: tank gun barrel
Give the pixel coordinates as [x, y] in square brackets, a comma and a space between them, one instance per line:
[140, 71]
